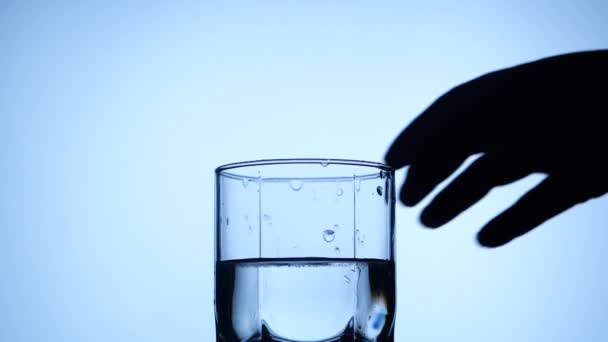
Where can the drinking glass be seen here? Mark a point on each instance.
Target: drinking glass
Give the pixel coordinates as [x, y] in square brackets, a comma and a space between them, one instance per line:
[304, 251]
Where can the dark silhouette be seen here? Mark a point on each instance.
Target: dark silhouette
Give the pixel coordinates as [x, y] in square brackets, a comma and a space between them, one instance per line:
[548, 116]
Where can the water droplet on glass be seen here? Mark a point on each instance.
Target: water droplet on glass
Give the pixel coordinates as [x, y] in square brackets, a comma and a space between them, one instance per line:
[259, 182]
[357, 184]
[337, 250]
[296, 185]
[227, 221]
[340, 191]
[329, 235]
[267, 217]
[360, 237]
[346, 279]
[336, 226]
[250, 228]
[325, 163]
[379, 190]
[382, 174]
[245, 182]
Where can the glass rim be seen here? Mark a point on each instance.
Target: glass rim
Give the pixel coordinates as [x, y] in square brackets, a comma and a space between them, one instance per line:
[293, 161]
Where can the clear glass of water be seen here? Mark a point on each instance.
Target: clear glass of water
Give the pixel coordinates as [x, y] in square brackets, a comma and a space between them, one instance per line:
[304, 251]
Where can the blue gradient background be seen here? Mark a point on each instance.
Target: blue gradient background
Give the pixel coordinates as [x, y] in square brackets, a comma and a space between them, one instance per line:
[113, 116]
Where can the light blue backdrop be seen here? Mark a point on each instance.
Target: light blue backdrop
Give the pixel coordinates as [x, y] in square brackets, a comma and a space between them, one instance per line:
[112, 118]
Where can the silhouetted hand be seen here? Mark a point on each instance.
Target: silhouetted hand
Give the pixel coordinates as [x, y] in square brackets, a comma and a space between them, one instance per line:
[547, 116]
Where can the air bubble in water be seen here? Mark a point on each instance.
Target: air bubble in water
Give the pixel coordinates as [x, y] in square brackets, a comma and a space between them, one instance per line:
[329, 235]
[340, 191]
[296, 185]
[379, 190]
[227, 221]
[337, 250]
[325, 163]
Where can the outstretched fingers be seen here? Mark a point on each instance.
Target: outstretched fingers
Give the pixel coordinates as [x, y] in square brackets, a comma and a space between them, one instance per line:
[488, 171]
